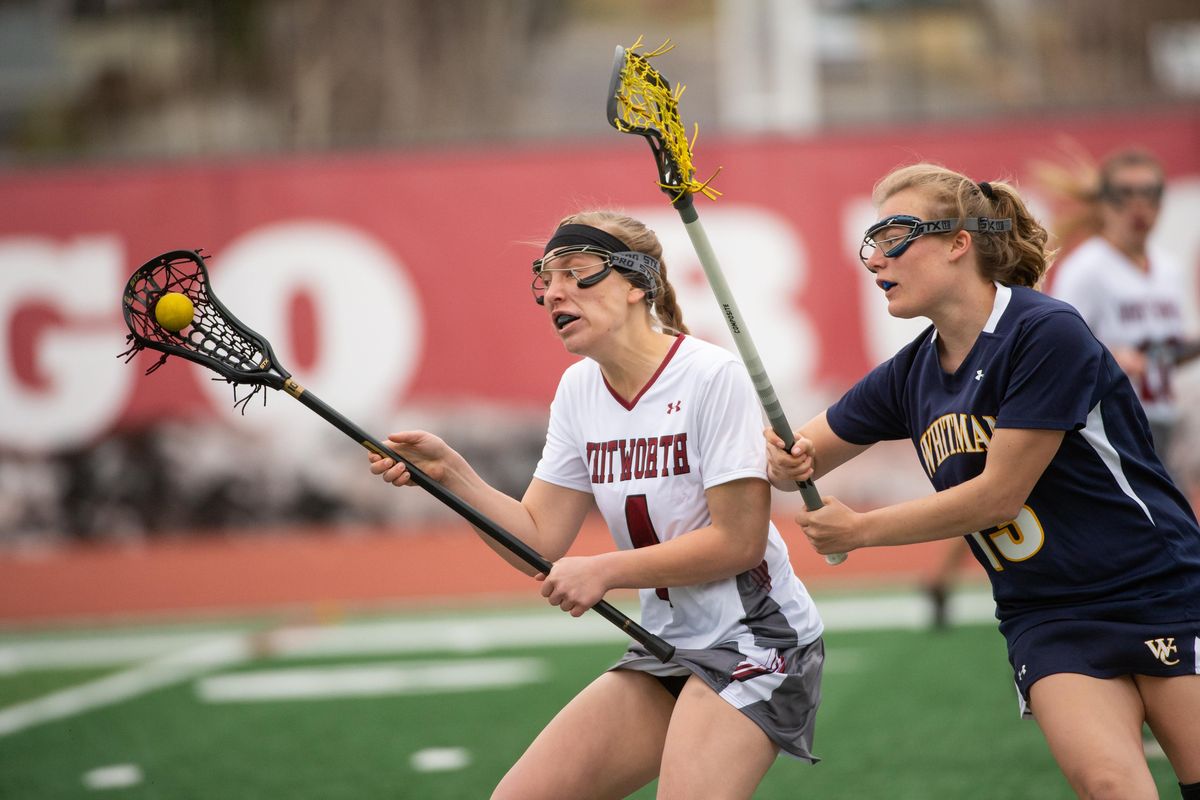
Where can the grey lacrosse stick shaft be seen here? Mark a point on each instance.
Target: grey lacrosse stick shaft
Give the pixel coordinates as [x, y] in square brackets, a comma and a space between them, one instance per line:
[745, 345]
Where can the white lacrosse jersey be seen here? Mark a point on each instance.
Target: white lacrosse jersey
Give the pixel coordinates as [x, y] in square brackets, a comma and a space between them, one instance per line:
[1127, 307]
[648, 462]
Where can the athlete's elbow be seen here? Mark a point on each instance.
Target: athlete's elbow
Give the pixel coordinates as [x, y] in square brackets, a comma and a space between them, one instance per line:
[750, 552]
[1005, 509]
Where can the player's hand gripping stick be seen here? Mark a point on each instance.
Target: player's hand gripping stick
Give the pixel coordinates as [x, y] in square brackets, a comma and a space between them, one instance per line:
[745, 345]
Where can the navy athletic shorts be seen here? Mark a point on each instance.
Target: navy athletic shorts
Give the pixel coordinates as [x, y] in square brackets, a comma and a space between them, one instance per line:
[1103, 649]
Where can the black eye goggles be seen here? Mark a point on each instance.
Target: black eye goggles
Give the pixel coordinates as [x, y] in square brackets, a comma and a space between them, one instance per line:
[640, 267]
[1120, 194]
[916, 227]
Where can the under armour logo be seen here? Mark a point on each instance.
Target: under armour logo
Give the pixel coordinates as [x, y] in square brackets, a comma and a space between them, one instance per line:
[978, 374]
[1021, 674]
[673, 406]
[1163, 649]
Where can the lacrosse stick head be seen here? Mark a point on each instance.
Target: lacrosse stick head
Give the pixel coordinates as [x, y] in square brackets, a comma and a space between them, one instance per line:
[215, 338]
[642, 102]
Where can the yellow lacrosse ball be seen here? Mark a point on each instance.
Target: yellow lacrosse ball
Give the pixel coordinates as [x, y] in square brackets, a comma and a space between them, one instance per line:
[174, 311]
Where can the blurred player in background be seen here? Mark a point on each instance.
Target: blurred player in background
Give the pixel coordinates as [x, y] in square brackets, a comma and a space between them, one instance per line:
[1034, 439]
[660, 431]
[955, 558]
[1129, 293]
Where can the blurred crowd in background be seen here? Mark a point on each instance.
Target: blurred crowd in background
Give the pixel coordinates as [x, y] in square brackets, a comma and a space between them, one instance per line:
[137, 79]
[120, 82]
[153, 79]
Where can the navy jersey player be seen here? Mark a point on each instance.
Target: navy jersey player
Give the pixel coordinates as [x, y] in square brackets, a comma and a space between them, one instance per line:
[659, 432]
[1042, 457]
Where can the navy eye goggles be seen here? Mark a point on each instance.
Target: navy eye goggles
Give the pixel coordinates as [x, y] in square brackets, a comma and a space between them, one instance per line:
[916, 227]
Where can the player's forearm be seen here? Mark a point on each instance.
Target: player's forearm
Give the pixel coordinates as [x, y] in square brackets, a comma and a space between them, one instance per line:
[507, 512]
[956, 511]
[510, 515]
[703, 555]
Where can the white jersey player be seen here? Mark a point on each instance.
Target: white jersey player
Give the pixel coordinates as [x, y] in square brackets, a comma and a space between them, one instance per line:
[1131, 294]
[662, 434]
[649, 461]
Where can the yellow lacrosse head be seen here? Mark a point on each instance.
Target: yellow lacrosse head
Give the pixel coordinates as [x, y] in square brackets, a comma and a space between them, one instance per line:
[641, 101]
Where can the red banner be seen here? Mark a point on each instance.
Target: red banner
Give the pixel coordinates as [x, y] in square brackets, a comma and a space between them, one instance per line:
[396, 282]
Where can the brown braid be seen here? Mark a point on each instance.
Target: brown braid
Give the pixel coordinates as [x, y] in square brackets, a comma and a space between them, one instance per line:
[640, 238]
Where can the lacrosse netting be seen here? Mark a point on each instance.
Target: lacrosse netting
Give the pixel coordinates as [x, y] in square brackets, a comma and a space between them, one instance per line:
[214, 339]
[642, 102]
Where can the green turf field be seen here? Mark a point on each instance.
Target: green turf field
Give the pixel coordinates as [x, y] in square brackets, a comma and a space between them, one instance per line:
[400, 706]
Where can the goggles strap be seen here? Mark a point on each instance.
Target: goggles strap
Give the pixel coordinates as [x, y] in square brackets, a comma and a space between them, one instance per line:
[616, 252]
[987, 224]
[575, 234]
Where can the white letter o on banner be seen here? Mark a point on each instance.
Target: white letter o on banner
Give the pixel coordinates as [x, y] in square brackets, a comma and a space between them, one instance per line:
[369, 329]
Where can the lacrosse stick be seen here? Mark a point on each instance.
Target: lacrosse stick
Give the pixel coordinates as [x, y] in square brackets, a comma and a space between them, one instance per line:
[216, 339]
[641, 102]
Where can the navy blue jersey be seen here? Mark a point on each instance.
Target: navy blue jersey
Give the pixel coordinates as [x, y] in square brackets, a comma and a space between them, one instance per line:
[1104, 534]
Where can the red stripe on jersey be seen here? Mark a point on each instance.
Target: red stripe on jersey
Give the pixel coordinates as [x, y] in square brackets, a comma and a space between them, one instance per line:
[628, 406]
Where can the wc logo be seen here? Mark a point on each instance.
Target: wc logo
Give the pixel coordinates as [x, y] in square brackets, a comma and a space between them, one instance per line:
[1163, 649]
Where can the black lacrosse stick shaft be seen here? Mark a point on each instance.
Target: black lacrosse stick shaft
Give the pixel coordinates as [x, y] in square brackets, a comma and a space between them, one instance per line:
[217, 340]
[654, 644]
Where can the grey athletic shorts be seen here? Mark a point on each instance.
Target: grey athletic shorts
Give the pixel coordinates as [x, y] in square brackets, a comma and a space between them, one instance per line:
[781, 696]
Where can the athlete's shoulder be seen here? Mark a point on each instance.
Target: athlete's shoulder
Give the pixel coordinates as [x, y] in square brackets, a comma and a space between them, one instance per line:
[907, 354]
[1092, 255]
[581, 375]
[1028, 304]
[580, 368]
[701, 355]
[1164, 264]
[702, 348]
[1033, 316]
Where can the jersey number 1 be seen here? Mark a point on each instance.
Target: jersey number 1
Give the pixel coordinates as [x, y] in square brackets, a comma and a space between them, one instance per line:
[641, 529]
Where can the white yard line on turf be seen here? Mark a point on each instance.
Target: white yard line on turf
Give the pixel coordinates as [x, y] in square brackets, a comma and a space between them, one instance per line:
[440, 759]
[370, 680]
[554, 629]
[453, 633]
[211, 650]
[97, 650]
[214, 654]
[116, 776]
[909, 611]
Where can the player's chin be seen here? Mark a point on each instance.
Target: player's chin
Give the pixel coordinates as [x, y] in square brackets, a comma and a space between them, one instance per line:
[573, 341]
[901, 310]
